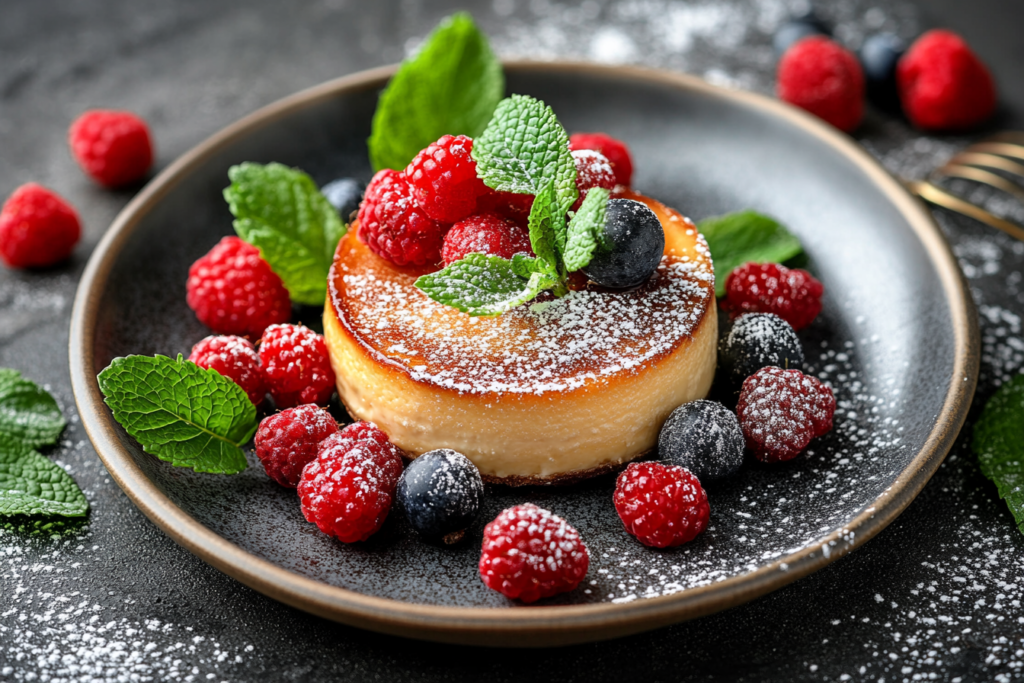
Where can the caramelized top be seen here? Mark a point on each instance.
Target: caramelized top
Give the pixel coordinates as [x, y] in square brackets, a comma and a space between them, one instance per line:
[550, 345]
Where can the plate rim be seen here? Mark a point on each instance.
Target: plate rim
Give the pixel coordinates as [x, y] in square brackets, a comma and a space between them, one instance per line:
[534, 626]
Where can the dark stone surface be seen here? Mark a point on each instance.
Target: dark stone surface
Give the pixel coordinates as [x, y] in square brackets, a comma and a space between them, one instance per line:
[937, 594]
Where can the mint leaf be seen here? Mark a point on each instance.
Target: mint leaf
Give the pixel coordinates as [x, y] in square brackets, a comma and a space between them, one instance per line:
[28, 414]
[450, 87]
[736, 238]
[586, 229]
[999, 444]
[524, 266]
[281, 211]
[547, 225]
[31, 484]
[524, 148]
[483, 285]
[179, 412]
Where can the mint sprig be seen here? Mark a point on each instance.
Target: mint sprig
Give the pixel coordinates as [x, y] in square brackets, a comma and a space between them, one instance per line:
[451, 86]
[999, 444]
[281, 211]
[737, 238]
[181, 413]
[586, 231]
[483, 285]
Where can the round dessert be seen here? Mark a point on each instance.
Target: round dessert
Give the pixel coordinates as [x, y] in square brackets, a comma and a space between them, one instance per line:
[549, 392]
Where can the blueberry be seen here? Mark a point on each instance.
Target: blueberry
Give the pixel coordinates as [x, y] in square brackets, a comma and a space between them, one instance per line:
[441, 493]
[754, 341]
[705, 438]
[344, 195]
[637, 242]
[797, 27]
[878, 57]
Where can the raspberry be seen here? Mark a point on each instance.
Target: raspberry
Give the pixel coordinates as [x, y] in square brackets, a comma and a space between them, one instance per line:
[592, 170]
[288, 441]
[485, 233]
[662, 505]
[780, 411]
[345, 491]
[379, 447]
[37, 228]
[443, 179]
[393, 226]
[529, 553]
[614, 150]
[515, 207]
[296, 366]
[113, 147]
[790, 293]
[236, 359]
[943, 85]
[818, 75]
[233, 290]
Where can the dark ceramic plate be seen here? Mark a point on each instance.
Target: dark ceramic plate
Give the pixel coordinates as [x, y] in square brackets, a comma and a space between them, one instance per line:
[897, 339]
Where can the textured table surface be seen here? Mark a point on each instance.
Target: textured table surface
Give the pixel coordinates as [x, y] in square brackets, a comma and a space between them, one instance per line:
[935, 596]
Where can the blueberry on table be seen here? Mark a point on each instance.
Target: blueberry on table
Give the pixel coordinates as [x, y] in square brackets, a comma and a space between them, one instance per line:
[754, 341]
[797, 27]
[634, 244]
[344, 195]
[705, 438]
[441, 493]
[878, 58]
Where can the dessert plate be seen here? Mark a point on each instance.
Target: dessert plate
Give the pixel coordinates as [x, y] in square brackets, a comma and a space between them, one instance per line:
[897, 339]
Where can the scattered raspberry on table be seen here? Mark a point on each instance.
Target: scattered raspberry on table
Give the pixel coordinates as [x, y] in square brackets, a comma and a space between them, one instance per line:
[530, 553]
[393, 225]
[824, 78]
[780, 411]
[37, 228]
[662, 505]
[288, 441]
[296, 366]
[113, 147]
[486, 233]
[233, 290]
[614, 150]
[443, 179]
[236, 359]
[790, 293]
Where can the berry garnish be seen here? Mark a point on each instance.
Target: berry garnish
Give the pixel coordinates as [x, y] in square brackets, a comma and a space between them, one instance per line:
[592, 170]
[288, 441]
[485, 233]
[637, 243]
[236, 359]
[394, 227]
[346, 491]
[443, 179]
[780, 411]
[113, 147]
[530, 553]
[344, 194]
[824, 78]
[705, 438]
[943, 85]
[790, 293]
[296, 366]
[379, 447]
[37, 228]
[796, 28]
[662, 505]
[233, 290]
[614, 150]
[515, 207]
[755, 341]
[879, 56]
[441, 493]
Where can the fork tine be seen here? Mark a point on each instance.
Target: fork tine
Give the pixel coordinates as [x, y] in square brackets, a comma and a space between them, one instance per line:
[985, 160]
[980, 176]
[930, 193]
[1012, 136]
[1006, 149]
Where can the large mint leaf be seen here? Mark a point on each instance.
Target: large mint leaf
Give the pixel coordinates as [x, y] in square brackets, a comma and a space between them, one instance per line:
[736, 238]
[31, 484]
[281, 211]
[483, 285]
[450, 87]
[28, 414]
[525, 147]
[586, 230]
[999, 444]
[179, 412]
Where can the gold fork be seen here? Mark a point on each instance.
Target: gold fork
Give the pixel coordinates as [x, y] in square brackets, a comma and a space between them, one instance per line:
[1002, 152]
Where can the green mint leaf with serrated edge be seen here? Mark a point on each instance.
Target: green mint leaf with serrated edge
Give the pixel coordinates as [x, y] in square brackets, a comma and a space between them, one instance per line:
[179, 412]
[483, 285]
[546, 226]
[585, 232]
[999, 444]
[450, 87]
[281, 211]
[28, 414]
[736, 238]
[523, 148]
[31, 484]
[524, 266]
